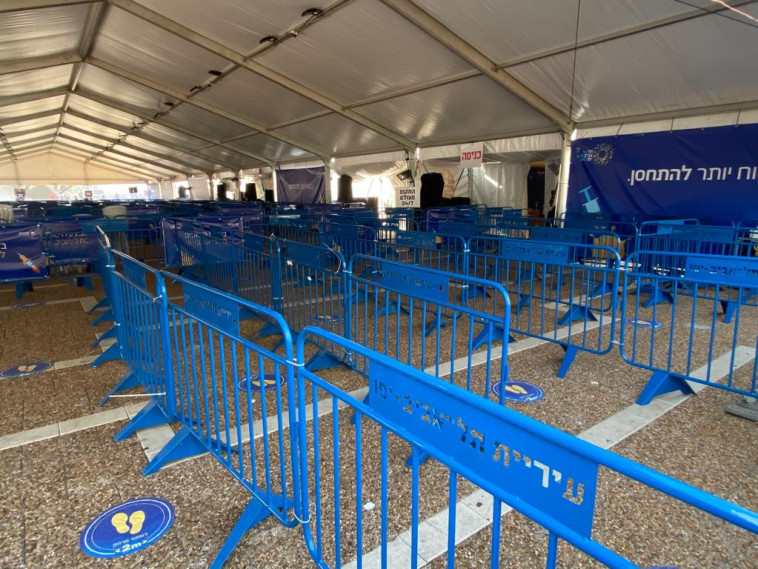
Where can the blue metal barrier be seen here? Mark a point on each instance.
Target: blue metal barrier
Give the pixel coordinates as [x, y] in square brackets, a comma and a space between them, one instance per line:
[225, 407]
[674, 339]
[422, 317]
[444, 253]
[313, 293]
[137, 293]
[557, 285]
[22, 259]
[348, 239]
[547, 475]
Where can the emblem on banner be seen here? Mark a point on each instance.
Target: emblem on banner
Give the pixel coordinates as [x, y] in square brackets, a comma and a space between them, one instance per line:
[600, 155]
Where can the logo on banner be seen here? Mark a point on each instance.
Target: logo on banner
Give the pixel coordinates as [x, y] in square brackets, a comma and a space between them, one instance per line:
[25, 369]
[518, 391]
[127, 528]
[600, 154]
[472, 155]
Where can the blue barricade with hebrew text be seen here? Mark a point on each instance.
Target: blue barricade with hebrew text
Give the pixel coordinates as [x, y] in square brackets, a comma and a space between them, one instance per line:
[547, 475]
[563, 293]
[429, 319]
[682, 339]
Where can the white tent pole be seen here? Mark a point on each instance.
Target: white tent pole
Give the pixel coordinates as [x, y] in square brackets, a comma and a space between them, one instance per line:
[563, 181]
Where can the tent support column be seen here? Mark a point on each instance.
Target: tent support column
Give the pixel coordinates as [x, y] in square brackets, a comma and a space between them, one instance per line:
[563, 180]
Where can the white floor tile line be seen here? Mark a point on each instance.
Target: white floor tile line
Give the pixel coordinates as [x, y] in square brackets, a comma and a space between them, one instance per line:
[67, 427]
[474, 512]
[84, 300]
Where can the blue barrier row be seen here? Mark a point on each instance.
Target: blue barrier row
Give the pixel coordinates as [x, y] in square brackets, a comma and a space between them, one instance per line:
[672, 326]
[289, 450]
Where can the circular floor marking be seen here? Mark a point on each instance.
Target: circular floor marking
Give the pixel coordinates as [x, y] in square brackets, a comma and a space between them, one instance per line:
[27, 305]
[643, 323]
[21, 370]
[127, 527]
[269, 382]
[519, 391]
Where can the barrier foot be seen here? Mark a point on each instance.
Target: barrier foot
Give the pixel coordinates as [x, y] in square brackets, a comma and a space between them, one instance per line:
[498, 333]
[422, 456]
[150, 416]
[104, 317]
[568, 359]
[183, 445]
[109, 355]
[269, 329]
[109, 333]
[657, 295]
[601, 289]
[102, 303]
[253, 514]
[323, 360]
[662, 382]
[21, 288]
[577, 312]
[85, 281]
[442, 321]
[478, 290]
[728, 306]
[391, 307]
[524, 300]
[127, 382]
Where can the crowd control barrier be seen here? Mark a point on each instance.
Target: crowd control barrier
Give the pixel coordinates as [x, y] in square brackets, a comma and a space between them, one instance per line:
[547, 475]
[676, 338]
[301, 464]
[566, 293]
[313, 293]
[424, 317]
[671, 237]
[137, 293]
[443, 253]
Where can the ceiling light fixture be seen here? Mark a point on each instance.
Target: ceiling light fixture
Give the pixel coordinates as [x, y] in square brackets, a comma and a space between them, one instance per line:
[312, 12]
[269, 39]
[215, 72]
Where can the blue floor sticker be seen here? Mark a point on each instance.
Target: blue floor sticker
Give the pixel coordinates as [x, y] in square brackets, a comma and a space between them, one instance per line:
[22, 370]
[27, 305]
[127, 528]
[643, 323]
[519, 391]
[269, 382]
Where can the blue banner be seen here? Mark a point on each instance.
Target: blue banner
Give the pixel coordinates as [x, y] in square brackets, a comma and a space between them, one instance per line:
[21, 256]
[706, 173]
[302, 186]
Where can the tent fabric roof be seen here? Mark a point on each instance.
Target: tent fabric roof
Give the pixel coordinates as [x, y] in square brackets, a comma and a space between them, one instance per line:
[172, 88]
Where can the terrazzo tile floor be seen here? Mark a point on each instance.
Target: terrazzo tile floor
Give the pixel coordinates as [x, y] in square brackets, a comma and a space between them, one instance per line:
[49, 490]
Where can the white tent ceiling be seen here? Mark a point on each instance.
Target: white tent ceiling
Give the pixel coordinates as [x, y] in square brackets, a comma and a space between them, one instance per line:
[171, 88]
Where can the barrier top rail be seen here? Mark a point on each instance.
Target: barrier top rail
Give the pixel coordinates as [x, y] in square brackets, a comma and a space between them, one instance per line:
[555, 484]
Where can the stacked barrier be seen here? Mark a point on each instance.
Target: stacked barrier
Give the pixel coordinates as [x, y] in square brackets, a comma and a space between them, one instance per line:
[289, 450]
[675, 338]
[443, 253]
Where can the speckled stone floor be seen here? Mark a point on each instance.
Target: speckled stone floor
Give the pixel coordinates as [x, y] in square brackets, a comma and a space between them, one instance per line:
[51, 489]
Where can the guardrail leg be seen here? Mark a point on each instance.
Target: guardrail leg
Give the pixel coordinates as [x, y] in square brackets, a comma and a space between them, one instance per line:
[21, 288]
[497, 333]
[85, 281]
[568, 359]
[102, 303]
[663, 382]
[104, 317]
[108, 334]
[183, 444]
[577, 312]
[150, 416]
[127, 382]
[109, 355]
[253, 514]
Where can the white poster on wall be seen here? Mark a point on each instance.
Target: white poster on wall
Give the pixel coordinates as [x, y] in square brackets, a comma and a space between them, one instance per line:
[407, 197]
[471, 155]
